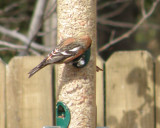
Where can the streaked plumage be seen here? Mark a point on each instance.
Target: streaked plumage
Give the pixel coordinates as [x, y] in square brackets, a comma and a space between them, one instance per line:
[65, 52]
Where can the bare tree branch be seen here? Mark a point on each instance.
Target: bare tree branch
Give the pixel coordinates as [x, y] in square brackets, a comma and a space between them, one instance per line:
[115, 23]
[116, 12]
[50, 23]
[34, 52]
[45, 33]
[10, 45]
[21, 18]
[24, 39]
[36, 22]
[112, 35]
[38, 18]
[6, 49]
[15, 47]
[111, 3]
[131, 31]
[126, 24]
[50, 11]
[10, 7]
[143, 11]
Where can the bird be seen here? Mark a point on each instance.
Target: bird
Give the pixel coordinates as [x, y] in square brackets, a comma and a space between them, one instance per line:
[68, 50]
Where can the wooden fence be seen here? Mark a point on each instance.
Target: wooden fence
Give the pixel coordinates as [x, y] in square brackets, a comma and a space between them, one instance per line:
[127, 92]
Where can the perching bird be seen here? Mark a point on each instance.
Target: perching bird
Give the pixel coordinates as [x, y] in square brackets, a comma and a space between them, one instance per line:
[65, 52]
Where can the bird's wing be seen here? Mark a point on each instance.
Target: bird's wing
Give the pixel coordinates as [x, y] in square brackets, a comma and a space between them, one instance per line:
[60, 54]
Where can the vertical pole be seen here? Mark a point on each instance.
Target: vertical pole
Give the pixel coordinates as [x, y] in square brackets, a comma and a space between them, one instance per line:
[76, 86]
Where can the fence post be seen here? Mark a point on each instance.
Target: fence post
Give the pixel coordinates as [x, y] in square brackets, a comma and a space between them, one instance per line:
[130, 90]
[100, 94]
[2, 93]
[157, 90]
[28, 101]
[76, 87]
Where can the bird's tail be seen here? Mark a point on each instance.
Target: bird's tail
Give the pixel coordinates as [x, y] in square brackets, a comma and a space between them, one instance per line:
[37, 68]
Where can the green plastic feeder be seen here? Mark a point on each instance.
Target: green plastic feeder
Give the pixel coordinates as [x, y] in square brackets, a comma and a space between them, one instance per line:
[62, 115]
[82, 60]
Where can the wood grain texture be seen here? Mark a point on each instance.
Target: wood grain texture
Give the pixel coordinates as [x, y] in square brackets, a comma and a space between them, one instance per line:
[2, 93]
[130, 90]
[99, 94]
[77, 87]
[157, 91]
[29, 101]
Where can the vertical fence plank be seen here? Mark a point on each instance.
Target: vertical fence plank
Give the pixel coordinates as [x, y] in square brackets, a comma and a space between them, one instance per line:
[157, 90]
[29, 102]
[2, 94]
[130, 90]
[99, 94]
